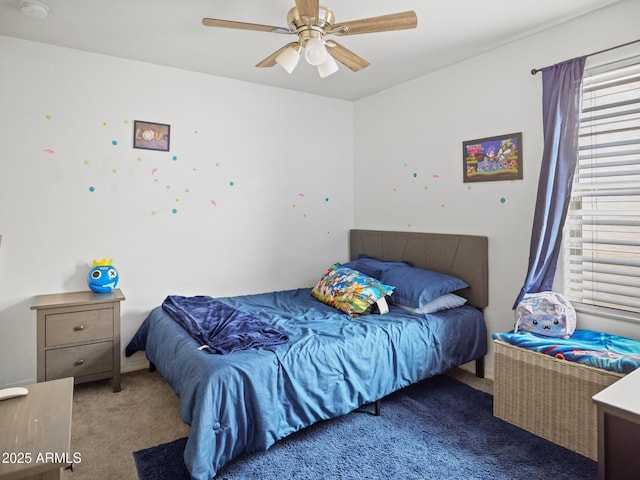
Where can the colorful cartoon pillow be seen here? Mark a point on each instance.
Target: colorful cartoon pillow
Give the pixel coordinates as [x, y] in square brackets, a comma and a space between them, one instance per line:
[349, 290]
[415, 287]
[546, 313]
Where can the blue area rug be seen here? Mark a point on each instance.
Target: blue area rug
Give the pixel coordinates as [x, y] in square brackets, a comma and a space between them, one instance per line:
[436, 429]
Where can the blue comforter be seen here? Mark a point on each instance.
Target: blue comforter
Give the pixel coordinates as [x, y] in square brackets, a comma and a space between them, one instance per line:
[247, 400]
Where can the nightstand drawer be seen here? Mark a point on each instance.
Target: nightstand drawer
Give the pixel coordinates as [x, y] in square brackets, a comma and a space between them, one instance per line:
[78, 335]
[78, 327]
[79, 361]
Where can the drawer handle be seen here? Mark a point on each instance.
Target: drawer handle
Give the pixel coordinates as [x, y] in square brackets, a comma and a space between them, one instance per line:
[79, 362]
[79, 328]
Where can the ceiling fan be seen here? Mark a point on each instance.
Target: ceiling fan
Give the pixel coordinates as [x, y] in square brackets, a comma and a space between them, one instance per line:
[311, 23]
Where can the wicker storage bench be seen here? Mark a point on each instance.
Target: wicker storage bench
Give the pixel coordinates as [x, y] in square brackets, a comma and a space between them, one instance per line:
[549, 397]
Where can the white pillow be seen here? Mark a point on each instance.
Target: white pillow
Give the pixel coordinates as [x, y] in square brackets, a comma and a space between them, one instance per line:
[443, 302]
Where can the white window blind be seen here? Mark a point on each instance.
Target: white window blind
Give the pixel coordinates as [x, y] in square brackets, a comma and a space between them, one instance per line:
[602, 229]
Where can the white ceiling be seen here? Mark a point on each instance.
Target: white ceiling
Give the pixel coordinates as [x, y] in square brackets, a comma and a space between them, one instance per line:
[170, 32]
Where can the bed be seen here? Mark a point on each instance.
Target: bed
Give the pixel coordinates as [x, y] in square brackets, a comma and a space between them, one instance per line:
[329, 364]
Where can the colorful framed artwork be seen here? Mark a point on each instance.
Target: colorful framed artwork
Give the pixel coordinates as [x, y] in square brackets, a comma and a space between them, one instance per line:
[493, 158]
[151, 136]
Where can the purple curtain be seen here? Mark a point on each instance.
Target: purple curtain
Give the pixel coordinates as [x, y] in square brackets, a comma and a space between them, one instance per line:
[561, 98]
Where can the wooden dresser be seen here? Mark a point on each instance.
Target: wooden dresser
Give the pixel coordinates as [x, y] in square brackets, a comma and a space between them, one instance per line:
[78, 335]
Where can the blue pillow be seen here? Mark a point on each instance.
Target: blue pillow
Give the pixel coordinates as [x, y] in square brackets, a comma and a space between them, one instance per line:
[443, 302]
[415, 287]
[372, 266]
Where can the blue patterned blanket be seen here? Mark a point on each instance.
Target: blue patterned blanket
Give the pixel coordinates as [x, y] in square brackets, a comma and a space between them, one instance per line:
[588, 347]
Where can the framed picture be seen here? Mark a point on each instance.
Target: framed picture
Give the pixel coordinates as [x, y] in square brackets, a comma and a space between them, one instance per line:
[151, 136]
[493, 158]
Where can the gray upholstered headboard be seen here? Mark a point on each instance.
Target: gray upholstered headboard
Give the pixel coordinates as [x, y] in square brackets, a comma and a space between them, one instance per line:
[464, 256]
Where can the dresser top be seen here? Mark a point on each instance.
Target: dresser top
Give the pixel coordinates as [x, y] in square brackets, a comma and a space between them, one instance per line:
[71, 299]
[623, 394]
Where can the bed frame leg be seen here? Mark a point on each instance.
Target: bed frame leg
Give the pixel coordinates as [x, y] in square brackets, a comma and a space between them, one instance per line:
[152, 367]
[480, 367]
[377, 408]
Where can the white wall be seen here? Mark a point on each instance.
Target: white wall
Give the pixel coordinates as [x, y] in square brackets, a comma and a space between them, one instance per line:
[281, 222]
[288, 209]
[408, 149]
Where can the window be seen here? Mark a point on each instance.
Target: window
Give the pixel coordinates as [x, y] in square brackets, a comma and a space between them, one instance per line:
[602, 229]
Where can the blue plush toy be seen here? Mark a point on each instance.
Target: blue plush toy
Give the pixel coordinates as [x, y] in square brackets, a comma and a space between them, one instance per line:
[546, 313]
[103, 277]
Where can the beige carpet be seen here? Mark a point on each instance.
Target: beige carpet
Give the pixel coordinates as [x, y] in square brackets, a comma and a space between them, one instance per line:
[108, 427]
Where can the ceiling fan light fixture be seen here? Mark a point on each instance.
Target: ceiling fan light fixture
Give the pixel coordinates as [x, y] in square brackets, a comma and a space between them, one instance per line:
[289, 59]
[328, 67]
[315, 52]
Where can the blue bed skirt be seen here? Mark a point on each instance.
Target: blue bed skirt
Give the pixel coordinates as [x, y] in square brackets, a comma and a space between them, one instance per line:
[588, 347]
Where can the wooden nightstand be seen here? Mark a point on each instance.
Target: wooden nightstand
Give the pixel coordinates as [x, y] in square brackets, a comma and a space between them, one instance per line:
[78, 336]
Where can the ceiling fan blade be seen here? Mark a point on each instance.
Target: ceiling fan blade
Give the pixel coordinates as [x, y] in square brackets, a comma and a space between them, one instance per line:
[308, 8]
[215, 22]
[270, 61]
[384, 23]
[346, 56]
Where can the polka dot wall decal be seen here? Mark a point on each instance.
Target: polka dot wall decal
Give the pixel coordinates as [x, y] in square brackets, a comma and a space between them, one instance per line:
[48, 117]
[114, 142]
[301, 194]
[231, 183]
[415, 175]
[195, 132]
[174, 211]
[86, 162]
[139, 159]
[126, 121]
[326, 199]
[436, 176]
[168, 187]
[49, 151]
[174, 158]
[92, 189]
[153, 171]
[115, 170]
[104, 124]
[503, 200]
[468, 187]
[213, 202]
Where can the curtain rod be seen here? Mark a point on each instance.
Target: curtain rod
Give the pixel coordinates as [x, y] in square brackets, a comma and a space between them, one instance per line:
[536, 70]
